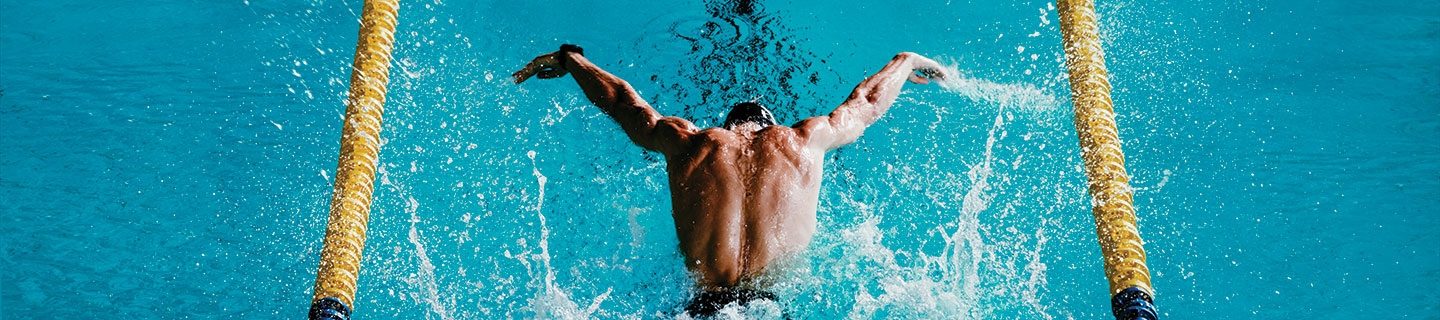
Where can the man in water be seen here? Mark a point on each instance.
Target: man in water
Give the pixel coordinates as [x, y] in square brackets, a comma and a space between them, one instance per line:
[744, 194]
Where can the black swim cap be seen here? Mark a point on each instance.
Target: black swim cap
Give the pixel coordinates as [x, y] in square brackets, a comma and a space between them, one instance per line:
[749, 112]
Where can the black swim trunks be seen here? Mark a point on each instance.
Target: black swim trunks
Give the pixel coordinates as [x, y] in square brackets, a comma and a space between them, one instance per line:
[707, 303]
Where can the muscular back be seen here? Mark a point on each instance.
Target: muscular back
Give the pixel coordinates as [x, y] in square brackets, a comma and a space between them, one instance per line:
[742, 199]
[745, 197]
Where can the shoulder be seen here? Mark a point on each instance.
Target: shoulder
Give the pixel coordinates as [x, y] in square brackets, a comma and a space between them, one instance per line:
[782, 134]
[819, 132]
[672, 130]
[812, 124]
[715, 135]
[818, 126]
[675, 124]
[667, 135]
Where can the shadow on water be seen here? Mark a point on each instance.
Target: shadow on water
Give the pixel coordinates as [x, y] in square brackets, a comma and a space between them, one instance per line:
[738, 52]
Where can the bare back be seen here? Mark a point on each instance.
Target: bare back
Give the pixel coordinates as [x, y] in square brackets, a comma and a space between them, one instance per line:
[742, 199]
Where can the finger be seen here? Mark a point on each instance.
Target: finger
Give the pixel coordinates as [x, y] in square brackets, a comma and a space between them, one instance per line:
[548, 59]
[933, 73]
[521, 76]
[526, 72]
[917, 79]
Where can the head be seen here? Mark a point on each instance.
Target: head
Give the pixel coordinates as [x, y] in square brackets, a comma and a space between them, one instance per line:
[749, 112]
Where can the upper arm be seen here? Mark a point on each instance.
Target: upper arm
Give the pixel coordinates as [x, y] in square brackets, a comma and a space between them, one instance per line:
[839, 128]
[667, 135]
[866, 104]
[645, 126]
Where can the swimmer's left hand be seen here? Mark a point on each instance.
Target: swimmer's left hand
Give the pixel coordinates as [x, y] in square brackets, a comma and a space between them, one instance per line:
[546, 66]
[925, 69]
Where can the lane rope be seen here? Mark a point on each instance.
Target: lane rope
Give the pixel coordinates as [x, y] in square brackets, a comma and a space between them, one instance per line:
[1109, 184]
[1121, 246]
[355, 176]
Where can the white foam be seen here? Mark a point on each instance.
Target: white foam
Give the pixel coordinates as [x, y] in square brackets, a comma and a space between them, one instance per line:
[552, 301]
[969, 275]
[424, 278]
[1015, 97]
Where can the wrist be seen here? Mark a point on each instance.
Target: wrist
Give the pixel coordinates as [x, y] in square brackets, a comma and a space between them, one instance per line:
[906, 60]
[565, 50]
[572, 48]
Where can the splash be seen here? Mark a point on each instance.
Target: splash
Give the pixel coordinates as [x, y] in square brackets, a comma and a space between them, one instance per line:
[969, 277]
[1016, 97]
[424, 279]
[912, 290]
[551, 302]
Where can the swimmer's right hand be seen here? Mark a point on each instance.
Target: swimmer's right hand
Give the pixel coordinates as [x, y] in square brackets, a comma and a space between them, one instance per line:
[547, 66]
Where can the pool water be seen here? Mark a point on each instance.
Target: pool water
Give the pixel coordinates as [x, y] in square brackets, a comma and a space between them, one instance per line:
[174, 159]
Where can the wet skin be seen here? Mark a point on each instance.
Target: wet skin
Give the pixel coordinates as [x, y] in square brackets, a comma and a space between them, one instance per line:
[746, 196]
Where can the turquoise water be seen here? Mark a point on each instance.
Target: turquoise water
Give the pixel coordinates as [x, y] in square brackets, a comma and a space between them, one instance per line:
[173, 159]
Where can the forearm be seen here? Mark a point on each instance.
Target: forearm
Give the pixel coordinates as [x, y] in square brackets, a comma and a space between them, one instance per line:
[870, 100]
[612, 94]
[874, 96]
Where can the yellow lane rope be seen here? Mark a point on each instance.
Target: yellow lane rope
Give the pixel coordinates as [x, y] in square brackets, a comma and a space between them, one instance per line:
[1100, 144]
[359, 151]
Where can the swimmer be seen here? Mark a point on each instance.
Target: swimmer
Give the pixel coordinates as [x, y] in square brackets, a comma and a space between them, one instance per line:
[743, 194]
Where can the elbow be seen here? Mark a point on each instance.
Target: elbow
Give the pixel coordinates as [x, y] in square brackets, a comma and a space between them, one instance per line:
[866, 93]
[860, 92]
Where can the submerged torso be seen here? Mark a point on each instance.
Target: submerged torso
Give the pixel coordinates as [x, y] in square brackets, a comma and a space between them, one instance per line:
[742, 200]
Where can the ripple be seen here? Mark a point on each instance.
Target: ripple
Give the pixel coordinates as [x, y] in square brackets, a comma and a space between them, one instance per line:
[735, 51]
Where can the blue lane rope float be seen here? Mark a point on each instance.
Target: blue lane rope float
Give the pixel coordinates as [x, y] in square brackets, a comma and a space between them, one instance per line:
[1133, 303]
[1109, 184]
[334, 297]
